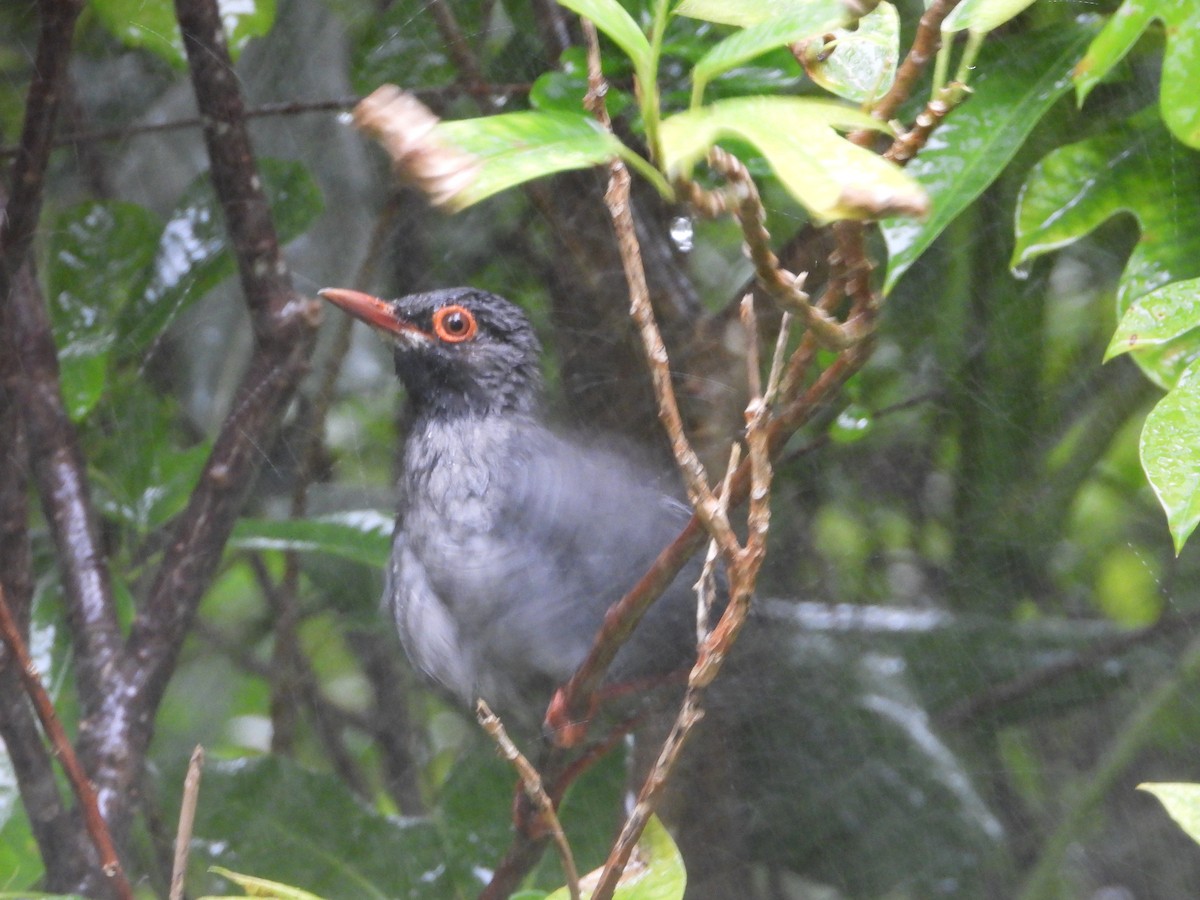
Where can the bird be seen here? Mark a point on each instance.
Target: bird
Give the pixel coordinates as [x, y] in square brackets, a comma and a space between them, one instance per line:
[512, 539]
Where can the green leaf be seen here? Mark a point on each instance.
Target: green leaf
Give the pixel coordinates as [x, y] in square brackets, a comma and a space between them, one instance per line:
[151, 25]
[1156, 318]
[981, 16]
[813, 18]
[1134, 168]
[1180, 92]
[742, 13]
[517, 147]
[1170, 451]
[98, 256]
[1182, 802]
[862, 66]
[363, 536]
[655, 871]
[796, 136]
[1018, 81]
[611, 18]
[271, 817]
[193, 253]
[260, 887]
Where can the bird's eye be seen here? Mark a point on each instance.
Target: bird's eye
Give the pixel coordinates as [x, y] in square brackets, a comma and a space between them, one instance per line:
[454, 324]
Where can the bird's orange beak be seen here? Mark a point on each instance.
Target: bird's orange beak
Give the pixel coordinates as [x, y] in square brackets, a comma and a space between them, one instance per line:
[375, 312]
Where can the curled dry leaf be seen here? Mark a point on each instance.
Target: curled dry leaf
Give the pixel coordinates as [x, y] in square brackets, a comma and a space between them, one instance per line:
[405, 127]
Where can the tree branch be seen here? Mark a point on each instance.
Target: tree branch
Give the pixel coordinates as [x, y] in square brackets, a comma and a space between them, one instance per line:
[84, 791]
[284, 328]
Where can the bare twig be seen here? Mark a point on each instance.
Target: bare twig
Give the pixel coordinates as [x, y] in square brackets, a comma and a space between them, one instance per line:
[187, 817]
[924, 46]
[80, 783]
[742, 567]
[435, 97]
[534, 790]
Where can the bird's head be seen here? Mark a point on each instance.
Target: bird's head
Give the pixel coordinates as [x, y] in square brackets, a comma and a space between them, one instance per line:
[458, 351]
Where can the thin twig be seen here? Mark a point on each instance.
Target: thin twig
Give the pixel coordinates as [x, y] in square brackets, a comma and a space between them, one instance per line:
[534, 789]
[434, 97]
[187, 817]
[80, 783]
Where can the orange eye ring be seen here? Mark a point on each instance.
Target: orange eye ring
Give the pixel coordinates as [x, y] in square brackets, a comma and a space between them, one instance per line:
[454, 324]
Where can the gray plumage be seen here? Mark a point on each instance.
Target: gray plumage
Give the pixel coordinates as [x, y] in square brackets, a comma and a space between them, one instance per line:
[512, 541]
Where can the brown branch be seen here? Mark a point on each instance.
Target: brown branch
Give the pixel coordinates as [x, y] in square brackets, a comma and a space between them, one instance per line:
[46, 89]
[924, 47]
[80, 783]
[742, 568]
[187, 816]
[535, 790]
[284, 328]
[57, 462]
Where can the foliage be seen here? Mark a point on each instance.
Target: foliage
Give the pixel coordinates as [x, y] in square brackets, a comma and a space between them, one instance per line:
[987, 593]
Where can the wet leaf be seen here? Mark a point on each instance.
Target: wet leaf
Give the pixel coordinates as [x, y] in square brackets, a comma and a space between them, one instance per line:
[1180, 92]
[1135, 168]
[97, 260]
[270, 817]
[981, 16]
[517, 147]
[862, 65]
[742, 13]
[193, 252]
[1157, 318]
[363, 536]
[811, 19]
[151, 25]
[1170, 451]
[832, 177]
[1182, 802]
[1018, 81]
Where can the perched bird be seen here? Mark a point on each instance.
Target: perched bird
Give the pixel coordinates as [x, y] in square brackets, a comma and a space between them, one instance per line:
[512, 541]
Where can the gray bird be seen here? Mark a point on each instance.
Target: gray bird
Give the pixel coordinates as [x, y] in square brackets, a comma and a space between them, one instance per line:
[512, 541]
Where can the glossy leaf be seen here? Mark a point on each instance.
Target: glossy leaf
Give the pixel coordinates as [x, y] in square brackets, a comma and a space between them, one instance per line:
[796, 136]
[809, 20]
[981, 16]
[1182, 802]
[862, 66]
[1018, 80]
[98, 256]
[1157, 318]
[1180, 91]
[363, 536]
[193, 254]
[270, 817]
[1135, 168]
[1170, 451]
[151, 25]
[517, 147]
[655, 871]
